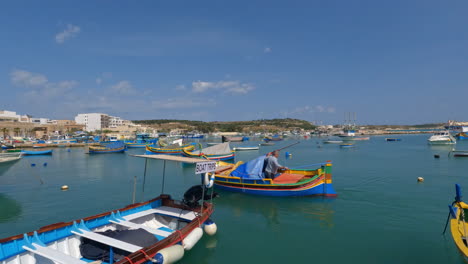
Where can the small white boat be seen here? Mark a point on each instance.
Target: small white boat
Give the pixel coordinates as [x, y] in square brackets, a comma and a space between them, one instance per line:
[332, 141]
[246, 148]
[442, 137]
[10, 157]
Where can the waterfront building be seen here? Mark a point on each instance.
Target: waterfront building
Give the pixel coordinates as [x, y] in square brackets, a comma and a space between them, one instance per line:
[11, 116]
[93, 121]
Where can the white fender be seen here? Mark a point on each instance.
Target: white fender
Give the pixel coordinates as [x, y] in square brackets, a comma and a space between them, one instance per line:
[210, 227]
[208, 181]
[192, 238]
[170, 254]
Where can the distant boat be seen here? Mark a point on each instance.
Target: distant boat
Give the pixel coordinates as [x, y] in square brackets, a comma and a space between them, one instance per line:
[114, 147]
[232, 139]
[10, 157]
[217, 152]
[267, 144]
[273, 138]
[442, 137]
[174, 149]
[332, 141]
[461, 135]
[459, 153]
[361, 138]
[347, 145]
[37, 152]
[246, 148]
[392, 139]
[39, 145]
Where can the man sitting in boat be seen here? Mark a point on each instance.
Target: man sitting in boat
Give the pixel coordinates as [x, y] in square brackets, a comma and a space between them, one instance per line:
[271, 165]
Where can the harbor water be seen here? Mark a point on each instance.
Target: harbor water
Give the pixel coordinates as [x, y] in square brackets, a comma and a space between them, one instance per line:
[382, 214]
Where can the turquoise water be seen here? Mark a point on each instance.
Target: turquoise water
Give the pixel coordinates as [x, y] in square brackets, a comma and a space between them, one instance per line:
[381, 215]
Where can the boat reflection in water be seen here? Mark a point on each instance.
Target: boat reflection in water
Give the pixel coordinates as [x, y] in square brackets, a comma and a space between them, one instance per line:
[276, 210]
[11, 209]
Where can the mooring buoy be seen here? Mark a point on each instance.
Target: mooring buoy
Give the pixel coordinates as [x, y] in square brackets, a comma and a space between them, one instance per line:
[420, 179]
[64, 187]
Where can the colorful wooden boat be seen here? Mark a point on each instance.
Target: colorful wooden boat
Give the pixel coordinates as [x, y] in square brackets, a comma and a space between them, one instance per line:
[220, 151]
[170, 150]
[458, 216]
[347, 145]
[135, 144]
[461, 135]
[156, 231]
[114, 147]
[14, 150]
[37, 152]
[248, 178]
[39, 145]
[273, 138]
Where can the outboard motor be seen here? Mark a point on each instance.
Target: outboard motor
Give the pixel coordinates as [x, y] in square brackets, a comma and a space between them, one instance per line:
[194, 194]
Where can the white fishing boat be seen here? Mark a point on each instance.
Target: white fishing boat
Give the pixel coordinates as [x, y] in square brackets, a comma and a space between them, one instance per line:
[10, 157]
[332, 141]
[246, 148]
[442, 137]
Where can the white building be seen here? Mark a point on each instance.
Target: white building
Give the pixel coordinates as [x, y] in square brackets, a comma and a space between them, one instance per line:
[13, 117]
[93, 121]
[43, 121]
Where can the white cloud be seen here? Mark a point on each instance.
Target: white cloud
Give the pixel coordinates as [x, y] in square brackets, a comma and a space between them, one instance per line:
[98, 80]
[28, 79]
[40, 85]
[70, 32]
[123, 87]
[323, 109]
[267, 50]
[233, 87]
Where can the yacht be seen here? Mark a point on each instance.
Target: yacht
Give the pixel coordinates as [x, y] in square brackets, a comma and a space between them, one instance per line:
[442, 137]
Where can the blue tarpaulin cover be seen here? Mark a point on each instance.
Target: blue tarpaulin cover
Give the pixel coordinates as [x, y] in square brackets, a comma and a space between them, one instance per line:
[250, 170]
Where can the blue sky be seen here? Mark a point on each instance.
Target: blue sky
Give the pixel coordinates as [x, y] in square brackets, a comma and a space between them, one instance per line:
[390, 62]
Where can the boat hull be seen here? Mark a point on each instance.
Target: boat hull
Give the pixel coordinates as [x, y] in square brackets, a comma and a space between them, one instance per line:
[291, 183]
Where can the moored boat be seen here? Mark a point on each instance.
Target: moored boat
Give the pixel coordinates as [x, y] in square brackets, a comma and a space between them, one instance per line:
[10, 157]
[248, 178]
[459, 153]
[392, 139]
[174, 149]
[114, 147]
[442, 137]
[267, 144]
[232, 139]
[347, 145]
[39, 145]
[156, 231]
[461, 135]
[37, 152]
[458, 222]
[220, 151]
[332, 141]
[242, 148]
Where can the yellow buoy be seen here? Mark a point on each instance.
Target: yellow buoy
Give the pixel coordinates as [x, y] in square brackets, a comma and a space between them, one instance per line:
[64, 187]
[420, 179]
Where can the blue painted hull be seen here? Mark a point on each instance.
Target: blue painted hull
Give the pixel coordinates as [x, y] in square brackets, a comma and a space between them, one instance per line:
[44, 152]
